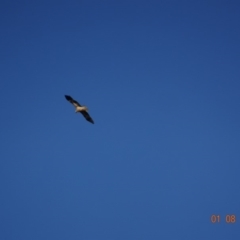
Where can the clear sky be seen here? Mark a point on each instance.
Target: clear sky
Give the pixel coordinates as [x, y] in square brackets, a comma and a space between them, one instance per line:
[161, 80]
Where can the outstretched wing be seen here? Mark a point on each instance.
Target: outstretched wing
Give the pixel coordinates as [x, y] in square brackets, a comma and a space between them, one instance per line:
[71, 100]
[87, 116]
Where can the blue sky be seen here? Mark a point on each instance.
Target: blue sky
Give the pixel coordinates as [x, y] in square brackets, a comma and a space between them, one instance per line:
[161, 81]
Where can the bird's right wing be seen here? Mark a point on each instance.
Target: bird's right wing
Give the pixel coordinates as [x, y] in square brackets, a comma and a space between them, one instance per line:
[87, 116]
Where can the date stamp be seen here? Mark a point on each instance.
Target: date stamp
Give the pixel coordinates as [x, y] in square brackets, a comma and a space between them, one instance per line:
[230, 218]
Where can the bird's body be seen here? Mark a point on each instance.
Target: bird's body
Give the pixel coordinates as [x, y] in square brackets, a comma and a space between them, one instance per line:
[78, 108]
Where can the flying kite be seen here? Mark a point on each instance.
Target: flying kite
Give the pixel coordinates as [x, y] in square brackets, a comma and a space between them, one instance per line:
[78, 108]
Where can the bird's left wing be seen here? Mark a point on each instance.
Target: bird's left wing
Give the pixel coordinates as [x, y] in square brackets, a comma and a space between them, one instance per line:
[71, 100]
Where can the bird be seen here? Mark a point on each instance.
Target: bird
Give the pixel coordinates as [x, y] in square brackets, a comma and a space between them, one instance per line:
[78, 108]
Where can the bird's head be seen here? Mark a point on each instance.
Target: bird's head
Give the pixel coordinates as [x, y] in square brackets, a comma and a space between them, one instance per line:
[84, 108]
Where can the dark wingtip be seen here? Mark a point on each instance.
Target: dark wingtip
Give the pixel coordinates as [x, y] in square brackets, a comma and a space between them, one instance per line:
[68, 97]
[91, 121]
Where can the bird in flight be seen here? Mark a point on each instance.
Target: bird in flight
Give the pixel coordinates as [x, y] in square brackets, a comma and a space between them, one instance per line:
[78, 108]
